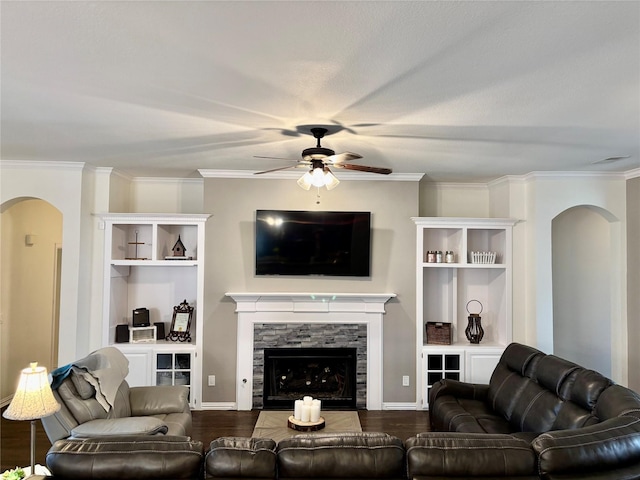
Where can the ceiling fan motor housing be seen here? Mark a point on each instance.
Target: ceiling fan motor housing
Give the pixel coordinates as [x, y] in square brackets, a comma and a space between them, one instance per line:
[316, 153]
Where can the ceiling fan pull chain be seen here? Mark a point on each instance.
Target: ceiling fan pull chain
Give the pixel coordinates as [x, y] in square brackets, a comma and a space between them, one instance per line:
[318, 197]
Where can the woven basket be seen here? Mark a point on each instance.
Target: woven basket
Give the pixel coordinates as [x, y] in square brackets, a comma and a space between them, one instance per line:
[439, 333]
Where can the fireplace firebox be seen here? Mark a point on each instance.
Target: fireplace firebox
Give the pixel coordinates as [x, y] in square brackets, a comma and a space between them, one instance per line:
[328, 374]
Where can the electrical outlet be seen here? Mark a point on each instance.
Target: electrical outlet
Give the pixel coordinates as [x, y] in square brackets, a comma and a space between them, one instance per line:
[405, 380]
[212, 380]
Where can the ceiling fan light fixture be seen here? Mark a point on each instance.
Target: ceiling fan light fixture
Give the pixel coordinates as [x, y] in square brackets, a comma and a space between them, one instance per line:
[317, 177]
[330, 180]
[305, 181]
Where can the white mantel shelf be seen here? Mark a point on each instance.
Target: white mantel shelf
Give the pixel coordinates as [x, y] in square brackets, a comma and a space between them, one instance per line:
[311, 302]
[274, 307]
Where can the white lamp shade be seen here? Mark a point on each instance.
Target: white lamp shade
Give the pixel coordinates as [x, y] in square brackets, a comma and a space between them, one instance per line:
[330, 180]
[33, 398]
[317, 177]
[305, 181]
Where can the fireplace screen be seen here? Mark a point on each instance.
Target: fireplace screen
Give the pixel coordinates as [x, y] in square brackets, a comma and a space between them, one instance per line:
[328, 374]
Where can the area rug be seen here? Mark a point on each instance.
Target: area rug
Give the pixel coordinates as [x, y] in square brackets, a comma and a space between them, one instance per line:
[273, 424]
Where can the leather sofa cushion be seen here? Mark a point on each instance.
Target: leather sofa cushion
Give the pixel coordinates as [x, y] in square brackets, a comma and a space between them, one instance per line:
[616, 401]
[83, 410]
[467, 455]
[553, 372]
[120, 426]
[587, 388]
[511, 376]
[453, 414]
[349, 455]
[125, 458]
[535, 409]
[83, 387]
[610, 444]
[521, 359]
[505, 388]
[158, 400]
[233, 457]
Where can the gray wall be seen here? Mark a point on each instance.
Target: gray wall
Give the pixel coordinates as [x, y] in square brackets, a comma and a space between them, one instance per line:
[230, 267]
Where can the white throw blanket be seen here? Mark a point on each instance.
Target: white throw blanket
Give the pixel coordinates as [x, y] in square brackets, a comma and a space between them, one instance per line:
[105, 369]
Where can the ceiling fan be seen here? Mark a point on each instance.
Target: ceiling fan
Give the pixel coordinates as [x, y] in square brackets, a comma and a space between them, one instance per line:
[320, 158]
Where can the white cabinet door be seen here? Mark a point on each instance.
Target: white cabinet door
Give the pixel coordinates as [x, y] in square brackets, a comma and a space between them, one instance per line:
[439, 363]
[139, 368]
[480, 364]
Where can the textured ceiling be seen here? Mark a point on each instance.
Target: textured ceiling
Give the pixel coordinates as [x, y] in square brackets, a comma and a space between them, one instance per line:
[460, 91]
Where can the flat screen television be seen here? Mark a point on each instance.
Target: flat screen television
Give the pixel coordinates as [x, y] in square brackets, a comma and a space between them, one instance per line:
[313, 243]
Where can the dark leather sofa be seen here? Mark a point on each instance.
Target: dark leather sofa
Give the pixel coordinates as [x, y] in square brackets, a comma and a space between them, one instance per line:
[540, 417]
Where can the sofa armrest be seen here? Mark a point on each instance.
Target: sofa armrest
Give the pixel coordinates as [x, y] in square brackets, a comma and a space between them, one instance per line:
[468, 455]
[126, 458]
[606, 446]
[158, 400]
[458, 389]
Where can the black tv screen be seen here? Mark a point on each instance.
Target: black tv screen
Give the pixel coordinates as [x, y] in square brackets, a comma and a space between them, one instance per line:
[313, 243]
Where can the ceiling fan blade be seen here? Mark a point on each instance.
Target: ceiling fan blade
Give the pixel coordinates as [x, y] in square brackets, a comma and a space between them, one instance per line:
[276, 158]
[275, 169]
[363, 168]
[342, 157]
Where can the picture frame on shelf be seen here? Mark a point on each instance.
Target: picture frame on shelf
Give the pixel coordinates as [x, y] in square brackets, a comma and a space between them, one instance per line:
[181, 323]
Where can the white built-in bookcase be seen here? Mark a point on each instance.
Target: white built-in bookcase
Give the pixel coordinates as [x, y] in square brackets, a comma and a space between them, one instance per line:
[444, 290]
[140, 272]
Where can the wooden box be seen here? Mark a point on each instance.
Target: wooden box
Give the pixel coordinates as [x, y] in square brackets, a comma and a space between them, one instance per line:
[439, 333]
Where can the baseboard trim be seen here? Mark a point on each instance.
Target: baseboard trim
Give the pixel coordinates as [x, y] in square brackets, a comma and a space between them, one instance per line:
[218, 406]
[234, 406]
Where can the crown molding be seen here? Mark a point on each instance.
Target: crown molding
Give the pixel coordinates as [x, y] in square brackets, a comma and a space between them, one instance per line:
[467, 186]
[635, 173]
[529, 177]
[168, 180]
[40, 165]
[288, 175]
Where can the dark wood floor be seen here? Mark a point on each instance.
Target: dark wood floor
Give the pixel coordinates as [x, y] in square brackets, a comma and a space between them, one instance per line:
[207, 425]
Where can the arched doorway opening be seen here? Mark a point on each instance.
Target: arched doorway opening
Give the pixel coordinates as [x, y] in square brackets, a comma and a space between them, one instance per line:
[583, 292]
[30, 260]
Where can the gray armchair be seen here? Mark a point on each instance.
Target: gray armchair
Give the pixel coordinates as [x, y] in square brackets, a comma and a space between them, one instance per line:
[100, 403]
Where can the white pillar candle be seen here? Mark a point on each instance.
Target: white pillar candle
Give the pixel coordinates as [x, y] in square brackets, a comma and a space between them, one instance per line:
[307, 400]
[315, 413]
[297, 409]
[306, 413]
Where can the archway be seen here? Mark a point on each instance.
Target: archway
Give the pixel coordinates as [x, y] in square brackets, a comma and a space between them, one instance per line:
[582, 260]
[30, 259]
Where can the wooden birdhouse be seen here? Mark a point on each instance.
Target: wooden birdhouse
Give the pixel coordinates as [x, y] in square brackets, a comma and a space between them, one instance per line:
[179, 249]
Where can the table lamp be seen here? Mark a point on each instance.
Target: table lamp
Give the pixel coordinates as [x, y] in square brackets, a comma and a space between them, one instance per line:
[33, 400]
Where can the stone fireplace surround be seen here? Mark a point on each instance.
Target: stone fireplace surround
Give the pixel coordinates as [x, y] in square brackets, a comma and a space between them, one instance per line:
[309, 308]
